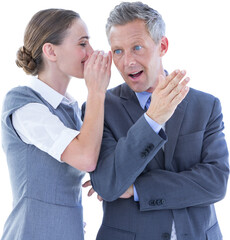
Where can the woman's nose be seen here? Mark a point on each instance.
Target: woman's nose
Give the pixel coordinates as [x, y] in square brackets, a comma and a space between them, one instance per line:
[89, 50]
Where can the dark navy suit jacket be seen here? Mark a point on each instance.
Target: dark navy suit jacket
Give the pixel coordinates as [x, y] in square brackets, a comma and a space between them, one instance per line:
[181, 184]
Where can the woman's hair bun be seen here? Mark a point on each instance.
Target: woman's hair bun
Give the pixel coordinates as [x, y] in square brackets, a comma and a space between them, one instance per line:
[26, 61]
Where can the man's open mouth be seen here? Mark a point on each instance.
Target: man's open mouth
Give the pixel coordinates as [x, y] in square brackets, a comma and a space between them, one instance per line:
[136, 74]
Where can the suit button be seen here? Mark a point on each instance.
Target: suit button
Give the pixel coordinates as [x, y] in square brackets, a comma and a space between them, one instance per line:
[147, 150]
[144, 154]
[159, 202]
[152, 202]
[150, 146]
[165, 236]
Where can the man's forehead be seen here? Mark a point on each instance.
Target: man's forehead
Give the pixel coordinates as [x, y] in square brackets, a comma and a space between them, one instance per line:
[131, 32]
[135, 29]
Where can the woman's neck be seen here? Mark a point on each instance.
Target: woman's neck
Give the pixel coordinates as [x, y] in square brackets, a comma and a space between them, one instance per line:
[55, 81]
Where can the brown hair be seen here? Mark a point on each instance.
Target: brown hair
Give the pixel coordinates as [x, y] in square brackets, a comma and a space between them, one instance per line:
[46, 26]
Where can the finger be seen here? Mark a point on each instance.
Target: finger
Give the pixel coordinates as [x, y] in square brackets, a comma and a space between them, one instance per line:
[104, 61]
[87, 184]
[99, 57]
[184, 83]
[109, 58]
[175, 81]
[91, 192]
[161, 83]
[109, 63]
[92, 58]
[172, 75]
[99, 198]
[178, 88]
[177, 100]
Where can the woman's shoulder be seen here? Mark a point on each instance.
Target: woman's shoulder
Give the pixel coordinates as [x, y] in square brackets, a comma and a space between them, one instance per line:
[20, 96]
[23, 93]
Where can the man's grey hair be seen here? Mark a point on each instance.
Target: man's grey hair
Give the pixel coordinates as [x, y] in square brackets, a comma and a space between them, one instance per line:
[129, 11]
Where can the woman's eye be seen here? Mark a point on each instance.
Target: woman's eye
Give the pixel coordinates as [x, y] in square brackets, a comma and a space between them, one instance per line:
[118, 51]
[83, 44]
[137, 47]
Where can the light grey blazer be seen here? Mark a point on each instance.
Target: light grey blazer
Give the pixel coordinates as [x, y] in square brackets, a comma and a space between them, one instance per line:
[181, 184]
[46, 193]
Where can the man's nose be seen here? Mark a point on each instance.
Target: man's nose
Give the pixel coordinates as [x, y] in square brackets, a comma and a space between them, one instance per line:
[129, 59]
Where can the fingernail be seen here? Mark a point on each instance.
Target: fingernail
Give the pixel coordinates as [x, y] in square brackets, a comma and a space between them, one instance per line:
[183, 72]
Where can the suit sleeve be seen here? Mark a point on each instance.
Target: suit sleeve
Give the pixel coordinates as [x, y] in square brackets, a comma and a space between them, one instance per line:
[203, 184]
[121, 162]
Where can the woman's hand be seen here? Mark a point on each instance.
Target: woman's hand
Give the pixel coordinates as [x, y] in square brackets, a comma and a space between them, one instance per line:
[97, 71]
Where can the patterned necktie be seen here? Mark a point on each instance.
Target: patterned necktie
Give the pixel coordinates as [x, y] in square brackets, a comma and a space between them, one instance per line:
[148, 103]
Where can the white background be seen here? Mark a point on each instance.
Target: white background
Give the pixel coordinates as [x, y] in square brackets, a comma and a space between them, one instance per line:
[199, 38]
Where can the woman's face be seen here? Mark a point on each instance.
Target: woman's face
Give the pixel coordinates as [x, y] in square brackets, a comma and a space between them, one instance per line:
[74, 50]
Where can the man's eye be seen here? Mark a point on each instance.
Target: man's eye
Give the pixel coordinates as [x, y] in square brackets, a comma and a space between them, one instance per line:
[118, 51]
[137, 47]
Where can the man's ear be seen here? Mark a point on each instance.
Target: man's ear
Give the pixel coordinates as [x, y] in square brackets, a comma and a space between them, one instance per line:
[164, 46]
[49, 52]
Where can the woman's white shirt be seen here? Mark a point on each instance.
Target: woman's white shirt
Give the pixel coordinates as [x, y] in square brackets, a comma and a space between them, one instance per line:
[36, 125]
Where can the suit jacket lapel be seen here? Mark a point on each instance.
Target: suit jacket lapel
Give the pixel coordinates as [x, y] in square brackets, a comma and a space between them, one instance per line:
[131, 103]
[135, 111]
[173, 126]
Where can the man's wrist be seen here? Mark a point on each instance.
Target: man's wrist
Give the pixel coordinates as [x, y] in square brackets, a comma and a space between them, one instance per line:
[154, 125]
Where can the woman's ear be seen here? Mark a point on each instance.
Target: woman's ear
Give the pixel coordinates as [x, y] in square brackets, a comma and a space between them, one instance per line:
[164, 45]
[48, 51]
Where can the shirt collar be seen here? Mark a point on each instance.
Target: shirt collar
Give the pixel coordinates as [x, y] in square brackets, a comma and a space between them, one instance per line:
[49, 94]
[143, 97]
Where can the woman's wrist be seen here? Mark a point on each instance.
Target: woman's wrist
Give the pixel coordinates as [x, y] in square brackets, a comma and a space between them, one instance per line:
[96, 95]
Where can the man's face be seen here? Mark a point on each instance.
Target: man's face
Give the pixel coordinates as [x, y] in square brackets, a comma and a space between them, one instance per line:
[136, 56]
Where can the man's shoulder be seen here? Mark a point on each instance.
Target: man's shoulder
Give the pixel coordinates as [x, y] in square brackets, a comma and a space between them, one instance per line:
[117, 91]
[122, 91]
[197, 95]
[201, 102]
[117, 97]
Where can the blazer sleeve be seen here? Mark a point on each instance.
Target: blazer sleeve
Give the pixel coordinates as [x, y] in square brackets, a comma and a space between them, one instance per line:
[121, 162]
[203, 184]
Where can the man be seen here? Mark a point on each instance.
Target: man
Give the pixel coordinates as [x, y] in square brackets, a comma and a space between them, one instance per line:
[173, 158]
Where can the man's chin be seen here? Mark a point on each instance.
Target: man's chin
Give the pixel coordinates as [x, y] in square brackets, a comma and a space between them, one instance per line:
[139, 88]
[136, 88]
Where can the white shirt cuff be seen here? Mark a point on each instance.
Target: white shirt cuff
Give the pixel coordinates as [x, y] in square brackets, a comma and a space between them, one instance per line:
[62, 142]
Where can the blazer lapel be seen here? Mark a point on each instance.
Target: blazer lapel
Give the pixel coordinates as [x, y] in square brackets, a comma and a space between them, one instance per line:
[173, 126]
[131, 103]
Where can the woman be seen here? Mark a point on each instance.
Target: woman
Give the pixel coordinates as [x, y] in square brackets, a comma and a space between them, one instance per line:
[46, 147]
